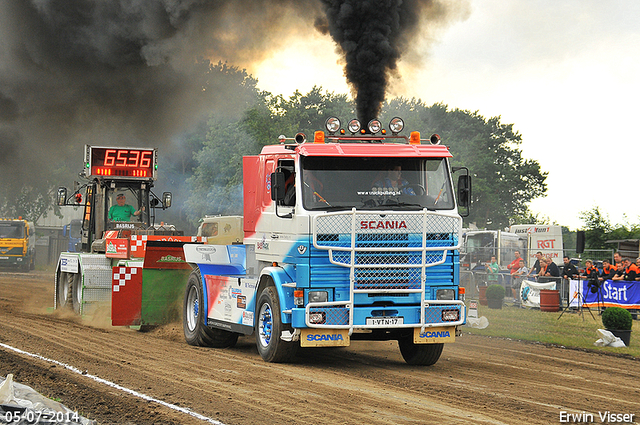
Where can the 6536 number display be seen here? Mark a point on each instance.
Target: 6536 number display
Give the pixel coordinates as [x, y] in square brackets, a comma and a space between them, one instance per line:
[121, 162]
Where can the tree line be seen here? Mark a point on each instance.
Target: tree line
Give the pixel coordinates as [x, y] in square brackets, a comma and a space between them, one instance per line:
[203, 166]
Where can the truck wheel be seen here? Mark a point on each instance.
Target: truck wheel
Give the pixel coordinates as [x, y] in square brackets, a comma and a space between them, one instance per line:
[419, 354]
[63, 290]
[195, 330]
[269, 327]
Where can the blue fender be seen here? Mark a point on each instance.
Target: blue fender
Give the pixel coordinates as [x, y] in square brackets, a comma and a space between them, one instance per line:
[285, 293]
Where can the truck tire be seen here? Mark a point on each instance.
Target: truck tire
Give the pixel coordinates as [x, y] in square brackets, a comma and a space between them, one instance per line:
[196, 332]
[419, 354]
[269, 327]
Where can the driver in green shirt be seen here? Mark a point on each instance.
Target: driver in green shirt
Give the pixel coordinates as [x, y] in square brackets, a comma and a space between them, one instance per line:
[122, 211]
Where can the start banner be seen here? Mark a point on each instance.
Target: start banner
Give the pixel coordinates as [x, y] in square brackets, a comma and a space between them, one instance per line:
[611, 293]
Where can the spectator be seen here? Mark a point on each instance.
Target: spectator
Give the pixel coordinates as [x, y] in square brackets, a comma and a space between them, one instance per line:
[590, 271]
[492, 271]
[517, 278]
[608, 271]
[617, 259]
[536, 266]
[569, 271]
[515, 264]
[550, 271]
[619, 275]
[631, 271]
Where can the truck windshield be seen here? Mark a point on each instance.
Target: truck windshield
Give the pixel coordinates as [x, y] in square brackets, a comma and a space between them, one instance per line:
[12, 230]
[376, 183]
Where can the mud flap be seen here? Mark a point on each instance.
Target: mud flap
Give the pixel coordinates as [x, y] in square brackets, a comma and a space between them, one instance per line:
[434, 335]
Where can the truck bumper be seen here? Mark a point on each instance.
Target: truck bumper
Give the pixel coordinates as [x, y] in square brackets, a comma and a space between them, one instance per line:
[335, 316]
[12, 261]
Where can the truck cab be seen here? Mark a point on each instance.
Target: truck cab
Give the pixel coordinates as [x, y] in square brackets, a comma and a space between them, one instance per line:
[17, 244]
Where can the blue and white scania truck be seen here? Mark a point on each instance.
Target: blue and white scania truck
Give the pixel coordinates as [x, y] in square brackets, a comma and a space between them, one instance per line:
[351, 236]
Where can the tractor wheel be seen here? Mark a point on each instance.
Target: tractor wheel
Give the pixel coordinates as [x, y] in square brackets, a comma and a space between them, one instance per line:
[196, 332]
[269, 327]
[419, 354]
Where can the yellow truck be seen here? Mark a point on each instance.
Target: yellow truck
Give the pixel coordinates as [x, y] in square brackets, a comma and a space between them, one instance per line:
[17, 243]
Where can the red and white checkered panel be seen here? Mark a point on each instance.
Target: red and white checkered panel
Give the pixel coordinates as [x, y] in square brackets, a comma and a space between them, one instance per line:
[126, 295]
[121, 275]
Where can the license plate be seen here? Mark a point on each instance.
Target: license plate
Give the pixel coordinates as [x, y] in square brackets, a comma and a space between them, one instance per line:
[385, 321]
[4, 258]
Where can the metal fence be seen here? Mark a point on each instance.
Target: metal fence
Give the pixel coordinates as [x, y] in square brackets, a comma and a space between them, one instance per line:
[472, 280]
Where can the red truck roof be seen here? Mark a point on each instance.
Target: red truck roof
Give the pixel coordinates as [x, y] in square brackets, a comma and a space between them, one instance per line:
[361, 150]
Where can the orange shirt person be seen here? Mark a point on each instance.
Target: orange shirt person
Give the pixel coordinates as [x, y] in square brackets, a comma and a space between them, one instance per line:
[515, 264]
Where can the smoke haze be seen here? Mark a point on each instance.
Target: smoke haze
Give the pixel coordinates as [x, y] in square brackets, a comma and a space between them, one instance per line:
[129, 72]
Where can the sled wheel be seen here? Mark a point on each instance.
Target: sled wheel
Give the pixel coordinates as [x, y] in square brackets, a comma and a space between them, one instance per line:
[269, 327]
[63, 289]
[196, 332]
[76, 293]
[419, 354]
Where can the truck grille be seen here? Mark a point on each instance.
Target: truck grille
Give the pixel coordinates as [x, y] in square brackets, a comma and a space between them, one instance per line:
[386, 252]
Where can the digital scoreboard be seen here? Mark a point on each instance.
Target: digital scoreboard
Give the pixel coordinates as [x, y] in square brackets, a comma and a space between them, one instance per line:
[125, 163]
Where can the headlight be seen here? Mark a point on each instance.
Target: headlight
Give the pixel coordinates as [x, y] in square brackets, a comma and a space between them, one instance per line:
[318, 296]
[354, 126]
[317, 318]
[396, 125]
[445, 294]
[332, 125]
[450, 315]
[374, 126]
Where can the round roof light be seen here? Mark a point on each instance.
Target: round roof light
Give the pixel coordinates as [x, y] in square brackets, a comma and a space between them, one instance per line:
[332, 125]
[396, 125]
[435, 139]
[374, 126]
[300, 138]
[354, 126]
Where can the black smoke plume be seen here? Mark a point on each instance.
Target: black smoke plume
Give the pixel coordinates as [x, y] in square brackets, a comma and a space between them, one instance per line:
[372, 35]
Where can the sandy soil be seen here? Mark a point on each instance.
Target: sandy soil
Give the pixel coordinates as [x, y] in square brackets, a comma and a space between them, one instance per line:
[478, 380]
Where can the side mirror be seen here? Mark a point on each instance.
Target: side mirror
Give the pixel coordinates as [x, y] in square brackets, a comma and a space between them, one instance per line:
[166, 199]
[464, 190]
[154, 203]
[61, 196]
[277, 186]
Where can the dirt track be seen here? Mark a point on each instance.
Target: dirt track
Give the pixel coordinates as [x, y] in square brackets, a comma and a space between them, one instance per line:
[478, 380]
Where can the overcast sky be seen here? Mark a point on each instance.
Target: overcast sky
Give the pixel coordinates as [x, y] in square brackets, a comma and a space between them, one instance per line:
[565, 73]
